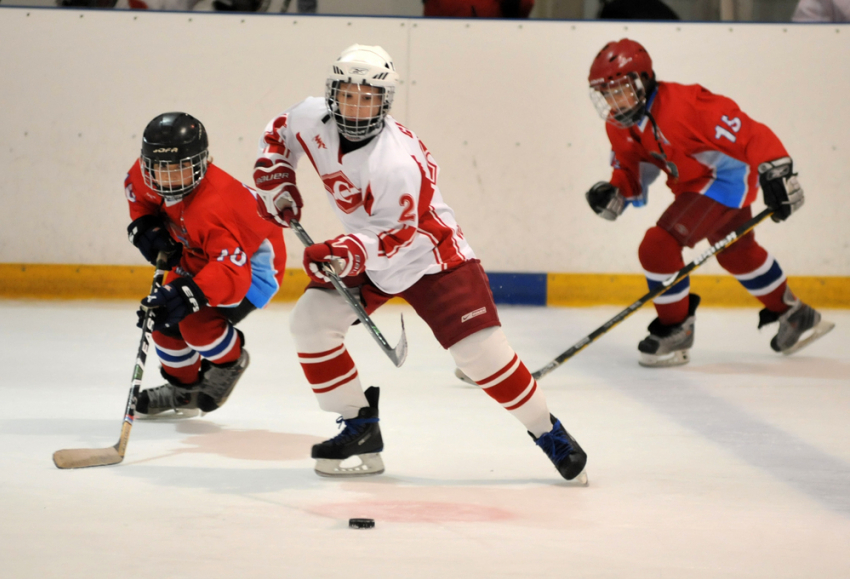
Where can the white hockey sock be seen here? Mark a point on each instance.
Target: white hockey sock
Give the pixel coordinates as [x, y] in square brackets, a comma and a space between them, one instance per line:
[488, 358]
[319, 323]
[334, 380]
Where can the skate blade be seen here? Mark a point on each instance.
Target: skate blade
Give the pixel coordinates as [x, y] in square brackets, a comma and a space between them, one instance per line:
[677, 358]
[171, 415]
[370, 465]
[818, 331]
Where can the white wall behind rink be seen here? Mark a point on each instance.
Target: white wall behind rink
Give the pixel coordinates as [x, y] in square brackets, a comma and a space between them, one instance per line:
[502, 105]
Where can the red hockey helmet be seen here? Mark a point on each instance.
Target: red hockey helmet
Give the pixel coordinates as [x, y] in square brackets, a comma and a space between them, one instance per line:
[621, 79]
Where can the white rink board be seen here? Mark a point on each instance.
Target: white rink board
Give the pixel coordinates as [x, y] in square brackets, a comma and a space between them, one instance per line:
[502, 105]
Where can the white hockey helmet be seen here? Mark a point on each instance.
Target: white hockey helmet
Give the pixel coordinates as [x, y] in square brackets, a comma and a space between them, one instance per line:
[362, 65]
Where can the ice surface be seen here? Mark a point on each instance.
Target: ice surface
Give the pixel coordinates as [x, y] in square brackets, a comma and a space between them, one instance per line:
[737, 465]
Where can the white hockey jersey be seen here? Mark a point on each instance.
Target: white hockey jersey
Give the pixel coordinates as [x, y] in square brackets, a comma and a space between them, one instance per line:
[384, 193]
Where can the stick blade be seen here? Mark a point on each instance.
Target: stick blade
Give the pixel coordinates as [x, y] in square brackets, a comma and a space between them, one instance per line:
[85, 457]
[399, 354]
[464, 378]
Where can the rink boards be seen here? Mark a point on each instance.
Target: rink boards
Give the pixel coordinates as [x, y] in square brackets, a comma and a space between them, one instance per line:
[37, 281]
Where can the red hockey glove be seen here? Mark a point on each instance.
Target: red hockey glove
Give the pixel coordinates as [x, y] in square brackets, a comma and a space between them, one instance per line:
[278, 198]
[347, 255]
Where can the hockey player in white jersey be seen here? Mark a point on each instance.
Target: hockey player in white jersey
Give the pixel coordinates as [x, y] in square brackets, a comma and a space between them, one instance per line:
[401, 239]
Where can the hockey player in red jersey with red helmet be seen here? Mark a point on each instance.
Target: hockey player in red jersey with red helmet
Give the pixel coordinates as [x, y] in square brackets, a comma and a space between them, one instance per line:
[225, 261]
[715, 158]
[401, 240]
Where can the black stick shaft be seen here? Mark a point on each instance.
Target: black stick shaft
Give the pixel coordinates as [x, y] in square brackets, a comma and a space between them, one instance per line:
[397, 354]
[141, 358]
[666, 285]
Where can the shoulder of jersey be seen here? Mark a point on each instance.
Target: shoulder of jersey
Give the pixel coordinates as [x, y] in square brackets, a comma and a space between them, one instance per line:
[225, 191]
[397, 152]
[308, 111]
[397, 128]
[683, 91]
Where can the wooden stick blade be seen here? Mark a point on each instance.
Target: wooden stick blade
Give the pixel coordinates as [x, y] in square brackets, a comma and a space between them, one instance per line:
[85, 457]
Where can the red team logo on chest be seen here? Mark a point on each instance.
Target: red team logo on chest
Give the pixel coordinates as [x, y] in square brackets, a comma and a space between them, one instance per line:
[345, 194]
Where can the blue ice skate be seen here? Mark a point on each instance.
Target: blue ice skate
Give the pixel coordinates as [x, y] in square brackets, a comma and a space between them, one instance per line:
[361, 437]
[564, 452]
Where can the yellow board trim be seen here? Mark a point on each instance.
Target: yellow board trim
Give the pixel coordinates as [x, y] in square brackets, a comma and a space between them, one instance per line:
[120, 282]
[590, 289]
[75, 282]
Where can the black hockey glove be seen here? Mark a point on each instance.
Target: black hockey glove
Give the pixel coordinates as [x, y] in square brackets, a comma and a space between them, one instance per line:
[606, 201]
[173, 302]
[150, 235]
[782, 192]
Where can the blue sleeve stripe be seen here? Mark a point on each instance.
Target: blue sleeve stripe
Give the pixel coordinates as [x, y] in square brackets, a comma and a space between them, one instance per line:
[729, 185]
[263, 282]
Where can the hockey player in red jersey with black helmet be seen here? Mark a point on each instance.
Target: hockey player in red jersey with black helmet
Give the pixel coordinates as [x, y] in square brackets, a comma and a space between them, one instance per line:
[225, 261]
[715, 158]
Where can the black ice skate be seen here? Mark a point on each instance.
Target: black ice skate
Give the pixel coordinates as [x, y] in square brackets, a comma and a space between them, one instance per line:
[361, 437]
[171, 400]
[219, 381]
[564, 452]
[799, 326]
[669, 345]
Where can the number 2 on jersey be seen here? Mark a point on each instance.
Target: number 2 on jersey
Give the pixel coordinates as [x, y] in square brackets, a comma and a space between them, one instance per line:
[407, 202]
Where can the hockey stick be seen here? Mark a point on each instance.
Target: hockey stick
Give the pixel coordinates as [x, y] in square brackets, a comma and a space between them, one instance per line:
[665, 285]
[83, 457]
[397, 354]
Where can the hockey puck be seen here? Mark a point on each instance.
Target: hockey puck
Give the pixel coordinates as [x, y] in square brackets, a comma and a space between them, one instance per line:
[361, 523]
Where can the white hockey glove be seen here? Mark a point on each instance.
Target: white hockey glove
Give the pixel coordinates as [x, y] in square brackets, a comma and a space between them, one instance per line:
[782, 191]
[606, 201]
[278, 198]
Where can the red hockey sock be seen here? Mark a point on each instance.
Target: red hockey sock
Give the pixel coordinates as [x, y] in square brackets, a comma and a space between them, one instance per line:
[661, 256]
[178, 360]
[186, 375]
[675, 313]
[757, 271]
[773, 301]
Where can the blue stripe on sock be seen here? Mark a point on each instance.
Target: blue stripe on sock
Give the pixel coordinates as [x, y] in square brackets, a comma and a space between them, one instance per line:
[681, 286]
[173, 359]
[764, 280]
[222, 346]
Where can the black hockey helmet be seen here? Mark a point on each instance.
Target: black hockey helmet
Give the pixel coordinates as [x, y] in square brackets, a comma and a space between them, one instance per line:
[172, 144]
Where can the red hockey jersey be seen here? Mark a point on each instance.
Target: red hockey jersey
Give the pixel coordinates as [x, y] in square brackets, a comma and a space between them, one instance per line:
[704, 143]
[229, 251]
